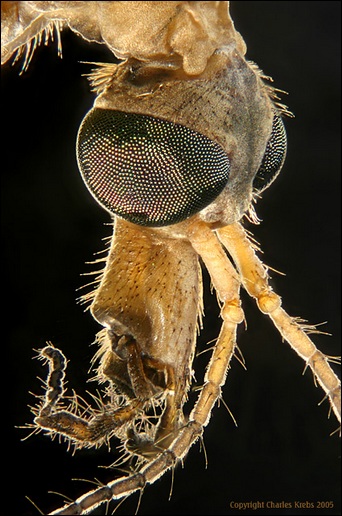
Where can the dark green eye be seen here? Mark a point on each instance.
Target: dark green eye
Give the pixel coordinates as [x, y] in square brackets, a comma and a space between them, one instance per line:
[274, 156]
[147, 170]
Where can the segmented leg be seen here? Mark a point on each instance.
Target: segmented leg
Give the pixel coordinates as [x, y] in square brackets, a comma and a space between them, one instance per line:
[226, 283]
[80, 430]
[255, 280]
[55, 379]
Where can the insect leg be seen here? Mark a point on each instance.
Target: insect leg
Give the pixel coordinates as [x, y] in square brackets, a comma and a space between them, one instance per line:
[81, 430]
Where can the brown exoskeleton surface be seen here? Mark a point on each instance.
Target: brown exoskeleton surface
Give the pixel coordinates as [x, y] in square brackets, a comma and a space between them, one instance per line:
[149, 297]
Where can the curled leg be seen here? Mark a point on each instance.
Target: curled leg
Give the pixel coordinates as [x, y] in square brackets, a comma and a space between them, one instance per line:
[55, 379]
[98, 426]
[255, 280]
[80, 430]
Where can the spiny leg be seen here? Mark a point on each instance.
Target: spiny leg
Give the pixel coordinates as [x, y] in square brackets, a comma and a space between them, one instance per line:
[80, 430]
[255, 280]
[111, 420]
[55, 379]
[226, 282]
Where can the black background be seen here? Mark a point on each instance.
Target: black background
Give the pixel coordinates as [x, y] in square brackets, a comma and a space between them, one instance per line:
[282, 449]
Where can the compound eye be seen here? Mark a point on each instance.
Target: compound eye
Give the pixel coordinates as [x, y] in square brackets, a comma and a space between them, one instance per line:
[274, 156]
[149, 171]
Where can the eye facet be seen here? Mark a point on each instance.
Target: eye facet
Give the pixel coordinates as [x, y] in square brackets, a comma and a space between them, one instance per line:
[274, 156]
[147, 170]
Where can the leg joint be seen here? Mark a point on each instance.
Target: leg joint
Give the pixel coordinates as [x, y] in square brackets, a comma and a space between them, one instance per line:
[232, 311]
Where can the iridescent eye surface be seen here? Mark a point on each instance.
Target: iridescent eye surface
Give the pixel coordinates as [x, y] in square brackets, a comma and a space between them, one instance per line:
[274, 156]
[149, 171]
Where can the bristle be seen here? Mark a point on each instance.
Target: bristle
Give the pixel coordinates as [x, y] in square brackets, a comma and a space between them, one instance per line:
[45, 35]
